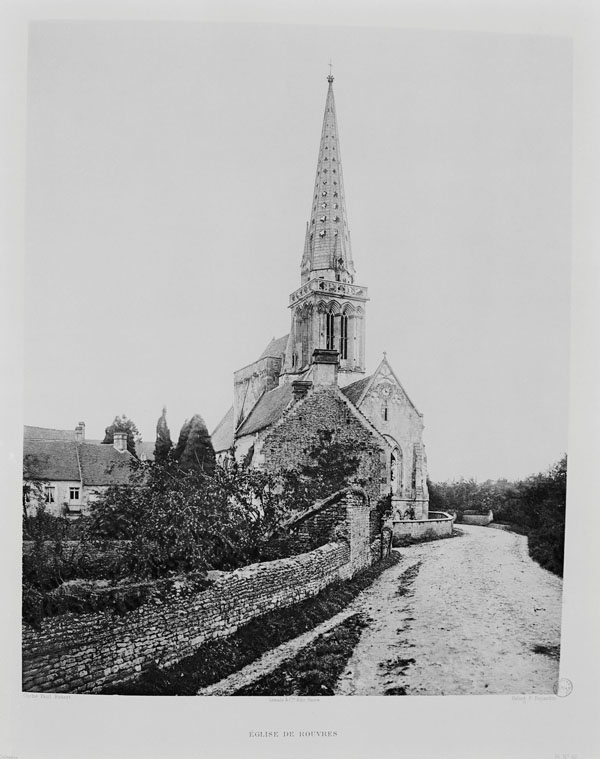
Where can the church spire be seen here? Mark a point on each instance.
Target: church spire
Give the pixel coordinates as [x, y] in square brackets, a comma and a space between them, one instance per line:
[327, 249]
[328, 309]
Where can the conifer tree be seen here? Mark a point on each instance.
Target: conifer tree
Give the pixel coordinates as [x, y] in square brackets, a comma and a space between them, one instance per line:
[194, 448]
[164, 444]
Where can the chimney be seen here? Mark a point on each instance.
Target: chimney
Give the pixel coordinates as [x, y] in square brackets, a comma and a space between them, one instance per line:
[325, 364]
[300, 388]
[80, 432]
[120, 442]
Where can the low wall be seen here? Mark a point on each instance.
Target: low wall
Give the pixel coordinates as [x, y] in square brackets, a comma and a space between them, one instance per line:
[99, 549]
[480, 519]
[438, 525]
[83, 653]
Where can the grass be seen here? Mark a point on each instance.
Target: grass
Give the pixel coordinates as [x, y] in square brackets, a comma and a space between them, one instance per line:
[407, 578]
[428, 537]
[552, 651]
[218, 659]
[315, 670]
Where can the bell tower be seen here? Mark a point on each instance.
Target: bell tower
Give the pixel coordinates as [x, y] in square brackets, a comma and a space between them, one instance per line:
[328, 309]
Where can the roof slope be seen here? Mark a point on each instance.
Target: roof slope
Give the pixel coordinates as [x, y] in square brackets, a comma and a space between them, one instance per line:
[268, 410]
[56, 460]
[222, 437]
[46, 433]
[275, 348]
[104, 465]
[354, 391]
[50, 460]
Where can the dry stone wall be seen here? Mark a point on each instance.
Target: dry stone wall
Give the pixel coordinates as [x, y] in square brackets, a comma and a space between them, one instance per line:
[82, 653]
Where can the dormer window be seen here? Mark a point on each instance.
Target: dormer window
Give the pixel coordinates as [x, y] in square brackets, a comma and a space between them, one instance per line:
[324, 193]
[323, 218]
[323, 205]
[336, 218]
[322, 233]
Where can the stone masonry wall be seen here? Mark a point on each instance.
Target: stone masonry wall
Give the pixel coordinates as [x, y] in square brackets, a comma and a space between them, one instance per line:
[82, 653]
[288, 443]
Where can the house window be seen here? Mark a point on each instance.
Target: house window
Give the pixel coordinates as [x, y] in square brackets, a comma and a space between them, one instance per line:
[50, 493]
[73, 494]
[329, 326]
[344, 336]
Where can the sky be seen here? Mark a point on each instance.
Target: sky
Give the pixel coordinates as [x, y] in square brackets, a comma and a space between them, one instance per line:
[170, 170]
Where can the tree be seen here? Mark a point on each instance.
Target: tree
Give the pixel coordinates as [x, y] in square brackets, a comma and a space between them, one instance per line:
[123, 424]
[185, 519]
[194, 450]
[330, 466]
[164, 444]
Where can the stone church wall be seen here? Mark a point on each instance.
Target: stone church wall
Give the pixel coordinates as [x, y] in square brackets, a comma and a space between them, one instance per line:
[288, 443]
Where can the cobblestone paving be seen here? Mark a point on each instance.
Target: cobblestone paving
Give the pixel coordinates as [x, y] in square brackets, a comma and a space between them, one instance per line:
[466, 624]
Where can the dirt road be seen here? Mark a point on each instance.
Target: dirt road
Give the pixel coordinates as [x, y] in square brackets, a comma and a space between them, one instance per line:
[459, 616]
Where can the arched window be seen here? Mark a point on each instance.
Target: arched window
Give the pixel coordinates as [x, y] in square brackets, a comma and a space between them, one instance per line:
[344, 336]
[329, 325]
[385, 411]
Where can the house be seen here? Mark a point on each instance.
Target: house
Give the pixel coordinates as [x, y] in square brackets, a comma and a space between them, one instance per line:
[315, 378]
[69, 472]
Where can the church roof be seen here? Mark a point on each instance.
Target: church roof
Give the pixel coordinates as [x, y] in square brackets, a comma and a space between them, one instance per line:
[327, 234]
[275, 348]
[354, 391]
[267, 411]
[222, 437]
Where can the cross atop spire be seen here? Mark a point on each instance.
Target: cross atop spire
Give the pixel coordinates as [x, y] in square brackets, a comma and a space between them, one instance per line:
[330, 77]
[327, 251]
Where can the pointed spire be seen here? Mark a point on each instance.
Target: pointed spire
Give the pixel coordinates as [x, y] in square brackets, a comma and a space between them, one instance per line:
[328, 252]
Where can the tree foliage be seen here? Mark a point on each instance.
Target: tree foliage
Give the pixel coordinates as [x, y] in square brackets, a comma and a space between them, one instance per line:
[194, 450]
[164, 444]
[180, 519]
[123, 424]
[535, 505]
[330, 465]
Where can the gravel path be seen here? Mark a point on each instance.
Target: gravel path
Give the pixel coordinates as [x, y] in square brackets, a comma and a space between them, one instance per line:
[466, 623]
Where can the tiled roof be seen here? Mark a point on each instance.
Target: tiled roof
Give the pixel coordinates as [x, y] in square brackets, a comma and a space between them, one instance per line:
[268, 410]
[275, 348]
[45, 433]
[50, 460]
[103, 465]
[356, 389]
[64, 461]
[222, 437]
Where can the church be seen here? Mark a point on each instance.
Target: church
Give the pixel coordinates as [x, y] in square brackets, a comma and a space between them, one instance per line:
[314, 379]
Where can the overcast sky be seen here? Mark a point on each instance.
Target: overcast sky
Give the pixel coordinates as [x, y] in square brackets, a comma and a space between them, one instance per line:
[169, 181]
